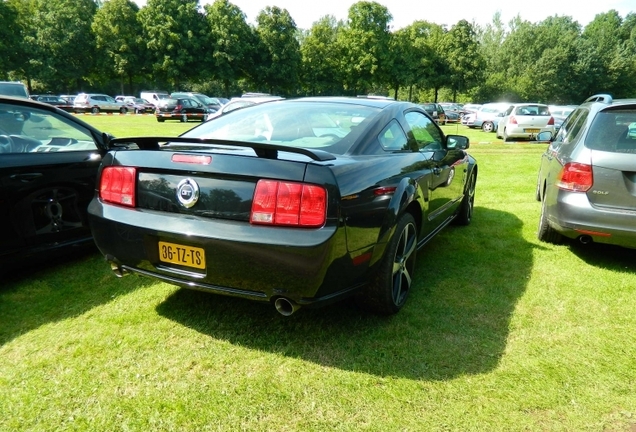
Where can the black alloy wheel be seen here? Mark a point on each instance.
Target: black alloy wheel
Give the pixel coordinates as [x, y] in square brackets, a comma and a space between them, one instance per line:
[390, 288]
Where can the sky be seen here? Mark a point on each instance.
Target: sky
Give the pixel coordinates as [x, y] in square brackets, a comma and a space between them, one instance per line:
[443, 12]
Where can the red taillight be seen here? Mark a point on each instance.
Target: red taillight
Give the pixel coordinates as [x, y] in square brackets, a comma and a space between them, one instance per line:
[289, 204]
[575, 177]
[117, 185]
[513, 120]
[551, 121]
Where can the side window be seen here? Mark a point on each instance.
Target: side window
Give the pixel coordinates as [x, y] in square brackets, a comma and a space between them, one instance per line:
[30, 130]
[393, 138]
[425, 133]
[572, 127]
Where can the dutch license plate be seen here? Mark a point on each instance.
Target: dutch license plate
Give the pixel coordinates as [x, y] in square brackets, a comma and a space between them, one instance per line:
[532, 130]
[187, 256]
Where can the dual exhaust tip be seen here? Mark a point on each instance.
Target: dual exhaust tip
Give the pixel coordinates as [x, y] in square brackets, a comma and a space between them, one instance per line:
[284, 306]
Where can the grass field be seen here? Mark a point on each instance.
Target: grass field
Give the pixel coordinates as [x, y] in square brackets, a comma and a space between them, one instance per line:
[501, 333]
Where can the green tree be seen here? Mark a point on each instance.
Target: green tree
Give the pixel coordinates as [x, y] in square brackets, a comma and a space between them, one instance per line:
[464, 58]
[118, 33]
[599, 44]
[433, 75]
[416, 60]
[365, 46]
[280, 64]
[320, 73]
[233, 43]
[176, 39]
[10, 38]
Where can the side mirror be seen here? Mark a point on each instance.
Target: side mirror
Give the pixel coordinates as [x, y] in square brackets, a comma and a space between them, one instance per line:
[545, 136]
[457, 142]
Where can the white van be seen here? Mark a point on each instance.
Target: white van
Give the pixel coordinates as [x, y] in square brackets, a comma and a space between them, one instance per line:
[154, 96]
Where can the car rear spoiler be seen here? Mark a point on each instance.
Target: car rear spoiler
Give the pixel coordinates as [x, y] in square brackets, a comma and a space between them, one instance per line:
[263, 150]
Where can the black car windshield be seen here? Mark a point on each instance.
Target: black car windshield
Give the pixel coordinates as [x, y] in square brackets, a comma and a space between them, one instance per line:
[318, 125]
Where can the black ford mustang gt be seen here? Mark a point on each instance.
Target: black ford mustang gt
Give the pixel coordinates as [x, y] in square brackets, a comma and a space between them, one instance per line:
[295, 202]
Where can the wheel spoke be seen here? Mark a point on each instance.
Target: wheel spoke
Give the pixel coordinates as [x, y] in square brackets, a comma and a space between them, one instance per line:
[402, 263]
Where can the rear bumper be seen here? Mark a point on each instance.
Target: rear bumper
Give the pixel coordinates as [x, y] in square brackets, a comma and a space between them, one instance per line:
[521, 132]
[253, 262]
[574, 216]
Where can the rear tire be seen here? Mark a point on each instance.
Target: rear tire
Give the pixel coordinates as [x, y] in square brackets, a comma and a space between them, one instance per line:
[546, 233]
[506, 138]
[184, 118]
[388, 291]
[95, 110]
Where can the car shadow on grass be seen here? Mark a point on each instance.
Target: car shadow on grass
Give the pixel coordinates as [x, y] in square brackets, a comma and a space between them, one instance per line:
[62, 286]
[456, 321]
[605, 256]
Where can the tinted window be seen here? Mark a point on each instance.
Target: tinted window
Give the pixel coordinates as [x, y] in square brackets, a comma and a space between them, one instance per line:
[320, 125]
[614, 131]
[13, 89]
[393, 138]
[424, 131]
[572, 127]
[30, 130]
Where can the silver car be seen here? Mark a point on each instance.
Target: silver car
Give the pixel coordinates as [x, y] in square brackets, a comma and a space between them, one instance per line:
[587, 178]
[525, 120]
[96, 103]
[487, 116]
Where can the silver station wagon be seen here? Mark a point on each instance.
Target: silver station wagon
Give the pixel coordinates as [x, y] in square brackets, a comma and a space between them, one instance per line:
[587, 178]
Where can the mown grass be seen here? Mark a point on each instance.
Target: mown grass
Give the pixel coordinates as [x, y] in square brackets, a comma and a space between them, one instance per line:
[501, 333]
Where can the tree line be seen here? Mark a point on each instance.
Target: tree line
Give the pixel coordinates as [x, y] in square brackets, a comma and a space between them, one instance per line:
[114, 46]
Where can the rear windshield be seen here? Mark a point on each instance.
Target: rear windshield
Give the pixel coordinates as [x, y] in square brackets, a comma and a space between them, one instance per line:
[320, 125]
[532, 110]
[13, 89]
[613, 131]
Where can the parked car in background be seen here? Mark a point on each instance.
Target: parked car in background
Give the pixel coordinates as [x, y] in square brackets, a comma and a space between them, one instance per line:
[96, 103]
[69, 98]
[486, 117]
[436, 112]
[212, 103]
[136, 105]
[56, 101]
[296, 202]
[453, 111]
[560, 113]
[154, 96]
[470, 108]
[586, 176]
[14, 89]
[525, 120]
[181, 108]
[48, 166]
[241, 102]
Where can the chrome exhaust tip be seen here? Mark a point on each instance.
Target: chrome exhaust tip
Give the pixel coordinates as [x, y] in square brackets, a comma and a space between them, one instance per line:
[117, 269]
[585, 239]
[285, 306]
